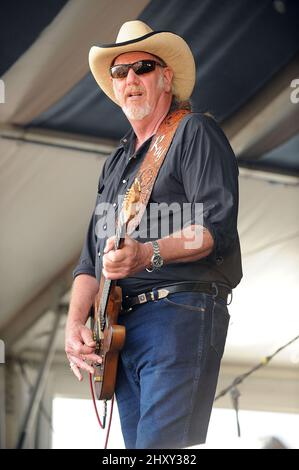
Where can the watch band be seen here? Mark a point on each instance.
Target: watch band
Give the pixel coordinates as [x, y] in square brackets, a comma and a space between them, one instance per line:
[156, 248]
[156, 260]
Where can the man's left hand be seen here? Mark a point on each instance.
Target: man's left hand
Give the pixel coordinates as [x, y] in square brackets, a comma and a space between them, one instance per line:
[125, 261]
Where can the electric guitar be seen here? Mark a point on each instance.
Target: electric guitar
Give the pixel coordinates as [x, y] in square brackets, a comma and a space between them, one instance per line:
[108, 335]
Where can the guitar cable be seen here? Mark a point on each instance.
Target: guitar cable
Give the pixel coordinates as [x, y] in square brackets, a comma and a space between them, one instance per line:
[102, 424]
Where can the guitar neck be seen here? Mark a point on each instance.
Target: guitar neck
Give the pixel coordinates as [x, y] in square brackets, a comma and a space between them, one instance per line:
[119, 241]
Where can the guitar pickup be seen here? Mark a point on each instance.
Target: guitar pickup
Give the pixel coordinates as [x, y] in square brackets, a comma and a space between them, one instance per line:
[99, 378]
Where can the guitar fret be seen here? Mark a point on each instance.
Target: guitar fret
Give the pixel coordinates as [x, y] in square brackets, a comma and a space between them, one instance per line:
[107, 283]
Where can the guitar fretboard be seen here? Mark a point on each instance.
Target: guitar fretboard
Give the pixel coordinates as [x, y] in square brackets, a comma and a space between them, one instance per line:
[119, 237]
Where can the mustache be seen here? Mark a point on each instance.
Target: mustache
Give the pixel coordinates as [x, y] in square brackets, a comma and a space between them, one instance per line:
[133, 90]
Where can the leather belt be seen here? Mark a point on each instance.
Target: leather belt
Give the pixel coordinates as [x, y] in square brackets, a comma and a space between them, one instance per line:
[218, 292]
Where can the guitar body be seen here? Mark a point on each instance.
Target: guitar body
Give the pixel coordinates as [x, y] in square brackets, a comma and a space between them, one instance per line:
[110, 341]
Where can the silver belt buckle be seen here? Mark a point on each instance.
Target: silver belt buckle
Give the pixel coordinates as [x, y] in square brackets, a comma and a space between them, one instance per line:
[162, 293]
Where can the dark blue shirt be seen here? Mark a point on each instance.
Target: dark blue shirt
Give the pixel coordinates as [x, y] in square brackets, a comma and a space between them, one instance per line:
[200, 167]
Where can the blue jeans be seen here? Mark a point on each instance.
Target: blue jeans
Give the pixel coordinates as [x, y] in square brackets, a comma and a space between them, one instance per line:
[168, 370]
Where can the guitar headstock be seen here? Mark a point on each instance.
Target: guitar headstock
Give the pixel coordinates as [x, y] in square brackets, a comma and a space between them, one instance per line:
[130, 206]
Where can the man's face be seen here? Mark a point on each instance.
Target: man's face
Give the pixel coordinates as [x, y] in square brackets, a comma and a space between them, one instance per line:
[139, 95]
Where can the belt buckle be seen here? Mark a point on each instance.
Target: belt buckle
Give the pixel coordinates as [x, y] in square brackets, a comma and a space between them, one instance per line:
[231, 297]
[162, 293]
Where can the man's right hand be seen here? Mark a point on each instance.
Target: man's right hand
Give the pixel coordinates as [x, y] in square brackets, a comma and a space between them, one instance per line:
[79, 348]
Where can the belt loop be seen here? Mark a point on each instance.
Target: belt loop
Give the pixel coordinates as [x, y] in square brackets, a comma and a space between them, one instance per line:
[155, 294]
[214, 286]
[231, 297]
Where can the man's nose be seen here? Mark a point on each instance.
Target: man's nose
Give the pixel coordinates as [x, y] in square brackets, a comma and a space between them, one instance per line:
[132, 77]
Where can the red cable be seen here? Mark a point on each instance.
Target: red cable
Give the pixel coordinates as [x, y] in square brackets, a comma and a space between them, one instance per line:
[94, 401]
[109, 425]
[97, 414]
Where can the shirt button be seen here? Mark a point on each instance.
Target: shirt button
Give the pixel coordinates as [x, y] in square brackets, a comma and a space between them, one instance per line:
[219, 260]
[99, 253]
[124, 181]
[114, 204]
[105, 226]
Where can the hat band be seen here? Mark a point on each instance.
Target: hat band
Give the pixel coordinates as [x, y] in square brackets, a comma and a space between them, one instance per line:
[132, 41]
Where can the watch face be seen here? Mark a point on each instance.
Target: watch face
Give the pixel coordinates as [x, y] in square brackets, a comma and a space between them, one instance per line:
[157, 261]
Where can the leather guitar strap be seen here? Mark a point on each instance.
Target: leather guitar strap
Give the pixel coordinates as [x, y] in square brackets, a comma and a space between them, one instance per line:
[153, 160]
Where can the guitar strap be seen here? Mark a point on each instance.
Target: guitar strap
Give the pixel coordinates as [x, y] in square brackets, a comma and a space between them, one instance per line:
[153, 160]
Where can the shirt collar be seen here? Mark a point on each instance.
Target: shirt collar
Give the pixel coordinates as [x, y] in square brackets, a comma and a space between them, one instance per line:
[129, 140]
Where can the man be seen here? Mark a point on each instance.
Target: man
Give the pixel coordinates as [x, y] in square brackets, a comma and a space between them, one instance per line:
[169, 365]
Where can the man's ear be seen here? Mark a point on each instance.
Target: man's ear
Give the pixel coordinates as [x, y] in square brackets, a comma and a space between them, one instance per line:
[168, 77]
[113, 88]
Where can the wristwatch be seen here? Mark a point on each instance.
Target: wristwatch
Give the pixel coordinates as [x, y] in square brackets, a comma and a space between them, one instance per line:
[156, 259]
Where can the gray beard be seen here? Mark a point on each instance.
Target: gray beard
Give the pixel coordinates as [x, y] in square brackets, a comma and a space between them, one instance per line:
[137, 112]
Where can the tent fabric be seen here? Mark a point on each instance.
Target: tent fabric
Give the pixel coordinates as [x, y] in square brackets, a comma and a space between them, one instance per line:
[58, 59]
[283, 158]
[238, 47]
[274, 124]
[22, 22]
[47, 194]
[263, 311]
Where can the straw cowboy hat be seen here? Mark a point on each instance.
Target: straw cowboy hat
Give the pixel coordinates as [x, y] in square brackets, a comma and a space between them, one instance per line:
[137, 36]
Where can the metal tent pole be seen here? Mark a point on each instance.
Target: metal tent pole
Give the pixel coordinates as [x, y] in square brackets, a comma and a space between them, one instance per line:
[39, 387]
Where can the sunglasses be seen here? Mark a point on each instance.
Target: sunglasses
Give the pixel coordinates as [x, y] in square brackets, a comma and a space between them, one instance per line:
[140, 67]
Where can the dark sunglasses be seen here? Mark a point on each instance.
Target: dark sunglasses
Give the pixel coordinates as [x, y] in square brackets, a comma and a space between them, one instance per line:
[140, 67]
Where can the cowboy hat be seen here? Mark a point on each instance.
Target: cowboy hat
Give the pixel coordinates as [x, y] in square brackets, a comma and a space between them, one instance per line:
[137, 36]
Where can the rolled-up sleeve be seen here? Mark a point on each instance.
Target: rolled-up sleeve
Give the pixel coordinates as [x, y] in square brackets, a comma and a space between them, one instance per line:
[210, 176]
[86, 263]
